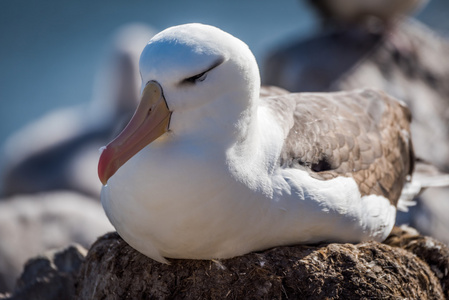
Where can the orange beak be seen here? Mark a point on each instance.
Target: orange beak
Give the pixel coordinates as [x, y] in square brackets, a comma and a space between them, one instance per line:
[149, 122]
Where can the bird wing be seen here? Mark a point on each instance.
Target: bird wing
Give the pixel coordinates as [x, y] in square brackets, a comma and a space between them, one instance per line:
[363, 134]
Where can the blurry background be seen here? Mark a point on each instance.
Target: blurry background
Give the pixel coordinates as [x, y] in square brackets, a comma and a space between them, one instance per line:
[60, 54]
[50, 50]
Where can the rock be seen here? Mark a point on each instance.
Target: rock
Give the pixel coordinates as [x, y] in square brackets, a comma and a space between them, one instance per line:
[33, 224]
[428, 249]
[50, 276]
[413, 267]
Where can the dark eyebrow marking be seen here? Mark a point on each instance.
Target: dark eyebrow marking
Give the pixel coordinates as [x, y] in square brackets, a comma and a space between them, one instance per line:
[192, 79]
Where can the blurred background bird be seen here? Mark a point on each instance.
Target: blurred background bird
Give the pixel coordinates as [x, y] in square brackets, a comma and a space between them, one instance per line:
[372, 15]
[59, 151]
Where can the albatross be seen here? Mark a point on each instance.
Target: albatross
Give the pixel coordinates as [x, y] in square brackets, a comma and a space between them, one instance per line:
[212, 166]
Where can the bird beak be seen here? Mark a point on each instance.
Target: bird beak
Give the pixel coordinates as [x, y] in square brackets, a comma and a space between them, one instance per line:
[149, 122]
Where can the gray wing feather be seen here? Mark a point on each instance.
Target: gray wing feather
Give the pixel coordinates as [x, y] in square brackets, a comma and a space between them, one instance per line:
[363, 134]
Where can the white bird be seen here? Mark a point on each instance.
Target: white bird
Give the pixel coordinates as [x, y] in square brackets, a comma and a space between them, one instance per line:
[207, 168]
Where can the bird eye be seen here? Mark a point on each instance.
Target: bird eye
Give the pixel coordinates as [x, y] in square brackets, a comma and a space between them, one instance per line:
[196, 78]
[201, 77]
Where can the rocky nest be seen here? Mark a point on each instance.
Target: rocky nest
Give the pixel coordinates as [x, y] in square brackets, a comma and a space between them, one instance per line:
[406, 265]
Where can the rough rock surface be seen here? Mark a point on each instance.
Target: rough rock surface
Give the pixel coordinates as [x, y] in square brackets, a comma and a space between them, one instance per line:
[433, 252]
[50, 276]
[412, 266]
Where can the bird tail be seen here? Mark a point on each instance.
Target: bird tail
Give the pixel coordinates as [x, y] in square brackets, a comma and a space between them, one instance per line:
[425, 175]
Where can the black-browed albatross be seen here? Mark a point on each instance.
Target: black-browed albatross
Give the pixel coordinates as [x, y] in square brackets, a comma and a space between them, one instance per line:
[207, 168]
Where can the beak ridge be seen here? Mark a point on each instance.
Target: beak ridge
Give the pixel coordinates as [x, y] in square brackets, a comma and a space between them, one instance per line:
[150, 120]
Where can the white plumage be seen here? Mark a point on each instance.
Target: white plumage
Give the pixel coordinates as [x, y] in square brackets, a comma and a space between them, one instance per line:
[197, 172]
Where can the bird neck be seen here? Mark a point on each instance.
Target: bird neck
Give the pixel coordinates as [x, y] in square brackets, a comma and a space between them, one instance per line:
[227, 120]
